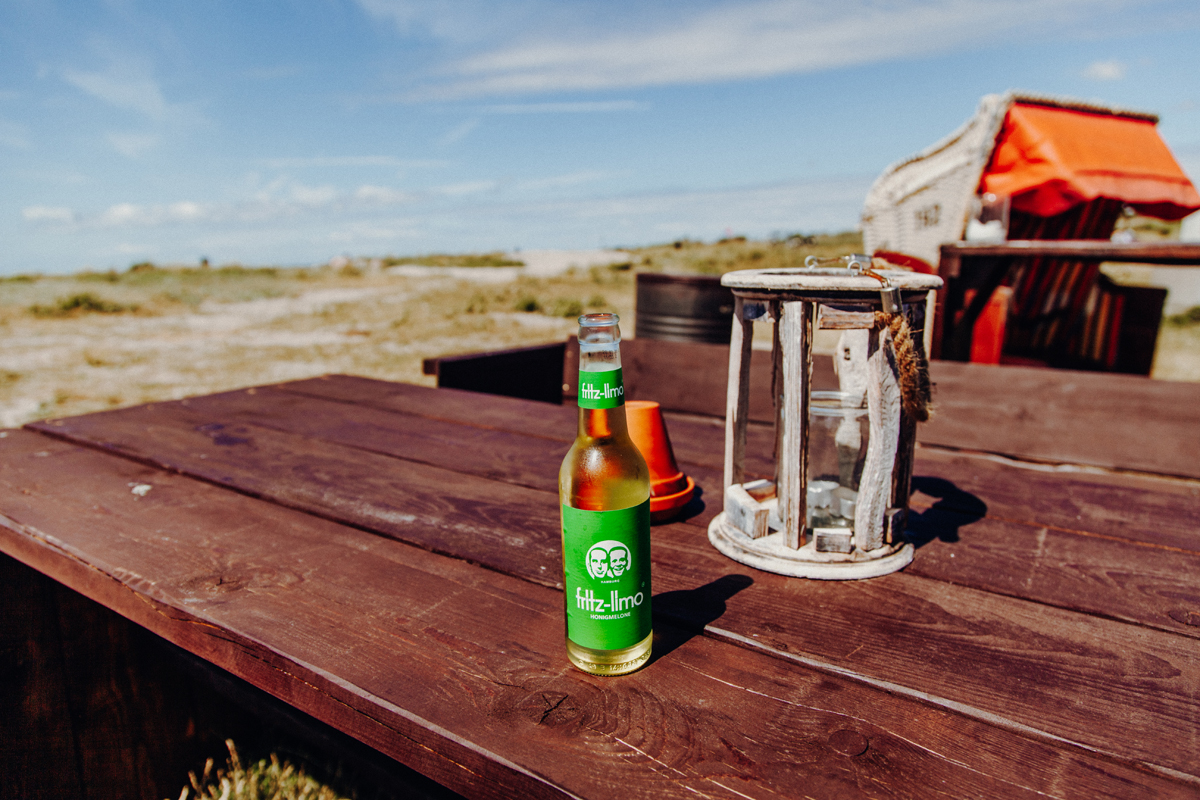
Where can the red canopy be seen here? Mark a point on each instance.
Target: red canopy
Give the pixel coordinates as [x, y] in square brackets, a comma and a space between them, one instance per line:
[1049, 159]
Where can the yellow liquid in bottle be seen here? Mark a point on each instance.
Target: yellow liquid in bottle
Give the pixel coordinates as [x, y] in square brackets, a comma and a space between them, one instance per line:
[603, 471]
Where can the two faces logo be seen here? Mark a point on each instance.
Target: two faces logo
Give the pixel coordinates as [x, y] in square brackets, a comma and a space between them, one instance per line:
[608, 559]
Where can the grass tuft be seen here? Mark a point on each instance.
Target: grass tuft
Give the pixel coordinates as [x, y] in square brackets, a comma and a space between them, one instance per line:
[267, 779]
[82, 303]
[1186, 319]
[445, 260]
[527, 303]
[566, 307]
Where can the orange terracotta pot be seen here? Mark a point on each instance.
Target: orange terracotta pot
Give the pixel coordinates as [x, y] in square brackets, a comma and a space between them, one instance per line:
[670, 489]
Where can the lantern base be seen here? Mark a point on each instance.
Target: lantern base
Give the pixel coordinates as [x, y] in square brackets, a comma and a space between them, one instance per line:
[770, 554]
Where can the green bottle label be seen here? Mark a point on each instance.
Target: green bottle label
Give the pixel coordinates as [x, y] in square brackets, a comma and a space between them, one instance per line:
[606, 565]
[601, 389]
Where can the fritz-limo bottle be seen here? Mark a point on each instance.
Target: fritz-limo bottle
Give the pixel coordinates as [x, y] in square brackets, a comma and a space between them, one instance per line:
[604, 489]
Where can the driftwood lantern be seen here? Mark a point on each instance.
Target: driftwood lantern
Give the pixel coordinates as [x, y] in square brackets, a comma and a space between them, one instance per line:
[843, 460]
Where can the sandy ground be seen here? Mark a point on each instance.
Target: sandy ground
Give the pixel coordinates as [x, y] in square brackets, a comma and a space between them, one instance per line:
[222, 332]
[381, 325]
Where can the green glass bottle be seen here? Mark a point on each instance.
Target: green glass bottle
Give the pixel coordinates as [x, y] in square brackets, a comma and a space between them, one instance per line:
[604, 490]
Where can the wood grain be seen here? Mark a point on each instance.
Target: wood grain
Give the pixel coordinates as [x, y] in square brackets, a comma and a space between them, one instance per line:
[1165, 253]
[512, 529]
[893, 622]
[737, 397]
[883, 409]
[1127, 523]
[791, 442]
[458, 671]
[39, 754]
[1114, 421]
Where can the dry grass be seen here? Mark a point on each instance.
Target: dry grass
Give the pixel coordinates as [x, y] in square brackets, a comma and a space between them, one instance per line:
[267, 779]
[97, 341]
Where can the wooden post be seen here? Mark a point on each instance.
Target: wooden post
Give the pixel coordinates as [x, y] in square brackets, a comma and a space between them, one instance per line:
[737, 397]
[776, 311]
[796, 325]
[883, 412]
[949, 266]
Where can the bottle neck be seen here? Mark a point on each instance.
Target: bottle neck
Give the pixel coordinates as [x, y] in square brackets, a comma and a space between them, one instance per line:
[601, 359]
[603, 423]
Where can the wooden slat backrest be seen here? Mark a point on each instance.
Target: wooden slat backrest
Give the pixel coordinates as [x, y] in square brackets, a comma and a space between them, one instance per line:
[1022, 412]
[530, 373]
[692, 377]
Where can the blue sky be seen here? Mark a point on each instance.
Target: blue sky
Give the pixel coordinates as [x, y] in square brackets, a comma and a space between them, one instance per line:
[293, 131]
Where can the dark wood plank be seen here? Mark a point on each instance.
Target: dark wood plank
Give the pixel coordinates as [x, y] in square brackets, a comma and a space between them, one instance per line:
[1055, 416]
[39, 755]
[1120, 525]
[408, 500]
[459, 671]
[1021, 664]
[1182, 254]
[1045, 703]
[96, 707]
[453, 405]
[1159, 513]
[530, 458]
[533, 373]
[1113, 421]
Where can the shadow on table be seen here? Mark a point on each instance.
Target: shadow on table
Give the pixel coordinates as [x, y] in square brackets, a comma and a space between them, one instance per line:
[694, 508]
[953, 510]
[689, 610]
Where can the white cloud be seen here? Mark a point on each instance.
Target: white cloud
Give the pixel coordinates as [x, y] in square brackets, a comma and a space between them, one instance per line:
[128, 83]
[186, 211]
[560, 181]
[123, 214]
[467, 188]
[352, 161]
[597, 107]
[381, 195]
[313, 195]
[278, 200]
[119, 88]
[132, 145]
[1105, 71]
[753, 40]
[457, 21]
[48, 214]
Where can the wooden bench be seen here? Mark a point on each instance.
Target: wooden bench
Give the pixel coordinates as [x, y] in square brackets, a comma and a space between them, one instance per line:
[1118, 335]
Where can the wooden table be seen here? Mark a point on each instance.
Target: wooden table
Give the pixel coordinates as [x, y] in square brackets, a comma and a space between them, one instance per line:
[385, 558]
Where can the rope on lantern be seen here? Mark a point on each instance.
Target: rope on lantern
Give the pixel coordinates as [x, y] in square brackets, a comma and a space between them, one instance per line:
[915, 388]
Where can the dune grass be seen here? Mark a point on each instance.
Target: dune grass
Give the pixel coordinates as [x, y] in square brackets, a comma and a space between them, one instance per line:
[100, 340]
[265, 779]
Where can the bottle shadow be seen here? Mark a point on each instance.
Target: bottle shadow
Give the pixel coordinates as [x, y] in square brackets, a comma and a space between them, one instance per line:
[688, 611]
[954, 509]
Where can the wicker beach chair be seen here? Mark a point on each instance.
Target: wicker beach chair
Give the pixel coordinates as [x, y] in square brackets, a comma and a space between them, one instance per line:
[1066, 170]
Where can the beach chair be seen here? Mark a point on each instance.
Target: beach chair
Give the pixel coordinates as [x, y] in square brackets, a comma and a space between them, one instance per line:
[1042, 168]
